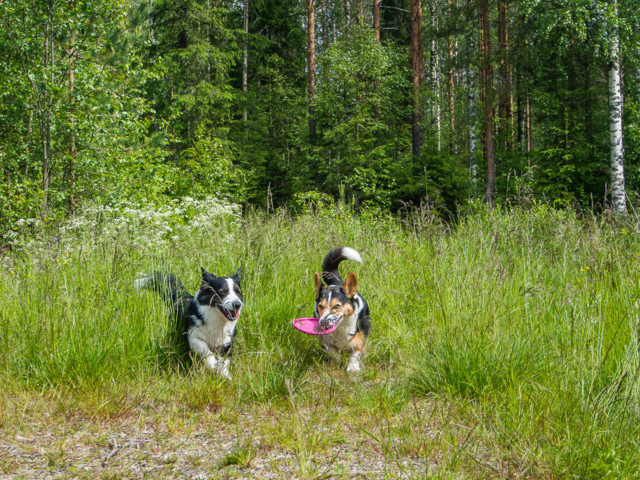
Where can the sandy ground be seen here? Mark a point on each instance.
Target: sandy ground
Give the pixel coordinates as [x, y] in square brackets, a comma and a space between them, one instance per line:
[45, 444]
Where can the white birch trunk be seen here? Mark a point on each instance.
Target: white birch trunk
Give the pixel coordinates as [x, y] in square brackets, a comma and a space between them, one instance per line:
[471, 86]
[435, 78]
[615, 126]
[473, 168]
[245, 59]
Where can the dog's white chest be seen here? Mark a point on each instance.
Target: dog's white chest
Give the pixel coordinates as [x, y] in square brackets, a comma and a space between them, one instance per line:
[343, 334]
[216, 330]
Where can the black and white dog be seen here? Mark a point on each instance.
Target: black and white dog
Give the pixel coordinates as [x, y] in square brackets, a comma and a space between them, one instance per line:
[339, 303]
[206, 321]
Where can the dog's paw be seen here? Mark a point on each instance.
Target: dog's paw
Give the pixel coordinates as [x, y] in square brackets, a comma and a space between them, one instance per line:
[211, 362]
[224, 370]
[353, 365]
[354, 368]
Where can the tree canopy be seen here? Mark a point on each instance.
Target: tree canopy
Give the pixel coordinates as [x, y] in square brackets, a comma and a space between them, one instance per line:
[128, 100]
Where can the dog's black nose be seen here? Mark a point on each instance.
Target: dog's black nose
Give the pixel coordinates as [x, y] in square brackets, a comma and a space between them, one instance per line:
[237, 304]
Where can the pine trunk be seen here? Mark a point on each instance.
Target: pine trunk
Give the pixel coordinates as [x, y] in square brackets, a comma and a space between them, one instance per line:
[376, 19]
[376, 29]
[312, 70]
[325, 27]
[502, 75]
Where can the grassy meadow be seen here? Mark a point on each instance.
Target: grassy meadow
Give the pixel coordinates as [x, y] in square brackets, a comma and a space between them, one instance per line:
[505, 345]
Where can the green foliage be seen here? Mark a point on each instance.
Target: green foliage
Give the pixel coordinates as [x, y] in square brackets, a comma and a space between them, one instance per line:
[272, 143]
[443, 180]
[358, 79]
[632, 139]
[106, 117]
[157, 108]
[194, 50]
[569, 86]
[206, 169]
[316, 203]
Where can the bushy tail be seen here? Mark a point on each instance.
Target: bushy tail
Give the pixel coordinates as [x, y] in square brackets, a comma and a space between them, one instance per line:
[167, 285]
[330, 272]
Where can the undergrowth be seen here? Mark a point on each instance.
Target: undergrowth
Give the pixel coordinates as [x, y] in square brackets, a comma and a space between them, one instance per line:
[510, 339]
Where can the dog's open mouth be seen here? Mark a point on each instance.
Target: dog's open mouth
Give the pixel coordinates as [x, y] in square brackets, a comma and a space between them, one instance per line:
[328, 322]
[229, 314]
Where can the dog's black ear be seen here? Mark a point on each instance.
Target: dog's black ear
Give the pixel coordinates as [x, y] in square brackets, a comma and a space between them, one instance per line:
[206, 277]
[236, 276]
[207, 274]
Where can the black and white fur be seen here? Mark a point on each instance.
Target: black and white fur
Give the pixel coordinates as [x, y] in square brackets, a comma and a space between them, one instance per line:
[206, 321]
[339, 302]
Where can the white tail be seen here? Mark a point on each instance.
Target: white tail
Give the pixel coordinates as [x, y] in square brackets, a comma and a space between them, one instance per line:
[142, 281]
[351, 254]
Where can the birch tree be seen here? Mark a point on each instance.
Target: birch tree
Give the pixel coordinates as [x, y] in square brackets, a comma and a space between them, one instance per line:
[57, 49]
[417, 69]
[434, 76]
[471, 88]
[451, 88]
[615, 119]
[486, 76]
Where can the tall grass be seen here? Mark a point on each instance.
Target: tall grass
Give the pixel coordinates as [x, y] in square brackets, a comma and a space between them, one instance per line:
[524, 323]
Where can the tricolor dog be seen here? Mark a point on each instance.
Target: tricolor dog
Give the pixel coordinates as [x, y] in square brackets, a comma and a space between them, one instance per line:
[206, 321]
[339, 302]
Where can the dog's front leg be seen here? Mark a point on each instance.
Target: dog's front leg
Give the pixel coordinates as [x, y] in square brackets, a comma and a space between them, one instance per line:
[353, 364]
[357, 345]
[224, 368]
[201, 348]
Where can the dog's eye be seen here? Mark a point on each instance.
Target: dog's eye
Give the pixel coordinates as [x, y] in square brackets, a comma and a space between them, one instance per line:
[236, 289]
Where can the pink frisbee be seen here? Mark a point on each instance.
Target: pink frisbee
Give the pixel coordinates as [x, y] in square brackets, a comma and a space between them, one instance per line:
[310, 326]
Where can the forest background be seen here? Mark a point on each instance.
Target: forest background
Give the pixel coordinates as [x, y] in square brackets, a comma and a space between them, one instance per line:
[382, 104]
[506, 342]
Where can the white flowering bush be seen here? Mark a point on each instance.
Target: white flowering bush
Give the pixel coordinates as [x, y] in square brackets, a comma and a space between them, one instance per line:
[125, 222]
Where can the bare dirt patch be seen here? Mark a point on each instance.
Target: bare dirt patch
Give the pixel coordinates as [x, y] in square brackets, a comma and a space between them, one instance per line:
[39, 441]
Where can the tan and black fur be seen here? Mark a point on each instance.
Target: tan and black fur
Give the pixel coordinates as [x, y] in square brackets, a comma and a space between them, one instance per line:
[339, 302]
